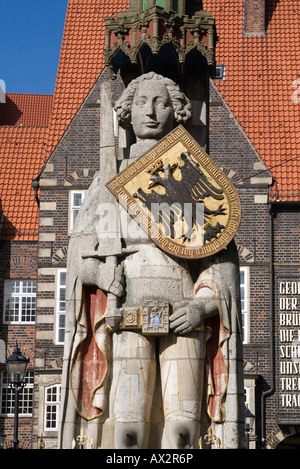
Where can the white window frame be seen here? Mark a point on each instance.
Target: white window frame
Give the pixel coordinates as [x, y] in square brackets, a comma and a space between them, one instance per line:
[8, 394]
[16, 298]
[74, 209]
[245, 302]
[52, 404]
[60, 305]
[249, 394]
[220, 72]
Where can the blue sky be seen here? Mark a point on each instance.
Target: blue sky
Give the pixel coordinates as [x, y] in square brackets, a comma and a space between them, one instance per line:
[30, 34]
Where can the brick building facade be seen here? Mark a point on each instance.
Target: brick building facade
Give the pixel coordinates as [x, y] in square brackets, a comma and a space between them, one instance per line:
[268, 244]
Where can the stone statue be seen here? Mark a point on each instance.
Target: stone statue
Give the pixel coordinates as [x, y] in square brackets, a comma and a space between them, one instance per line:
[127, 389]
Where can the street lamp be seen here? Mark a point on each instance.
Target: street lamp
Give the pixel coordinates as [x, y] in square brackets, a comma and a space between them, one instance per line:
[249, 422]
[2, 439]
[16, 367]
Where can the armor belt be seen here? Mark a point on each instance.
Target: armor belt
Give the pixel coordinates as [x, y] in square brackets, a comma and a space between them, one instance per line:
[151, 319]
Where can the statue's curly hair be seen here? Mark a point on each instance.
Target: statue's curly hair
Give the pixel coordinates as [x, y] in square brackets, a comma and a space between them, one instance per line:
[181, 104]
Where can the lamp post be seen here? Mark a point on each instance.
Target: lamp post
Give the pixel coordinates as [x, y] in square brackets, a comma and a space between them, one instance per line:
[249, 422]
[16, 366]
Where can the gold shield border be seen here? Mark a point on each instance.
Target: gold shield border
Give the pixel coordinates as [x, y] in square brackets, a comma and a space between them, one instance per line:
[140, 214]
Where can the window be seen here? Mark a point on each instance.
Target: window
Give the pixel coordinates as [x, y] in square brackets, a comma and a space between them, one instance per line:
[247, 392]
[176, 6]
[8, 396]
[52, 402]
[60, 305]
[76, 199]
[244, 288]
[161, 3]
[220, 72]
[19, 301]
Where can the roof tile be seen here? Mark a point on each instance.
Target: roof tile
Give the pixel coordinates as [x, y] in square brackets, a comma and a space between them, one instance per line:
[258, 88]
[266, 71]
[26, 109]
[24, 148]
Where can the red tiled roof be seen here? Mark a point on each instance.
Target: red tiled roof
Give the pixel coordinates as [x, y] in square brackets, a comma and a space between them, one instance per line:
[81, 59]
[23, 150]
[26, 109]
[260, 74]
[262, 79]
[20, 161]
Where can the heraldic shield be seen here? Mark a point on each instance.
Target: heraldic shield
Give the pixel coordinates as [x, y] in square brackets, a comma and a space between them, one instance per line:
[180, 197]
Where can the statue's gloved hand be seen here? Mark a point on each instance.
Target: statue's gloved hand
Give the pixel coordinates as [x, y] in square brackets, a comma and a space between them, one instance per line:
[107, 277]
[111, 279]
[187, 318]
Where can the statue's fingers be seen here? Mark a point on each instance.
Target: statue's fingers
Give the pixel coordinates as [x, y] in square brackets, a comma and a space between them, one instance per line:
[120, 280]
[177, 314]
[117, 288]
[119, 276]
[177, 322]
[183, 328]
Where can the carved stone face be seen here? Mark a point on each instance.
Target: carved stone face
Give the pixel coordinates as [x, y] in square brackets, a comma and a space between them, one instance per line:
[152, 111]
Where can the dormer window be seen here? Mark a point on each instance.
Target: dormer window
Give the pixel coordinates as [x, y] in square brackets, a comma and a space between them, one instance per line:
[220, 72]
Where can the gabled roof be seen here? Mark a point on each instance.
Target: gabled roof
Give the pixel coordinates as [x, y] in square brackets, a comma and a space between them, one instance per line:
[81, 59]
[261, 83]
[21, 150]
[23, 137]
[26, 109]
[260, 87]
